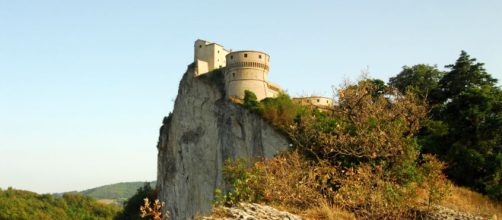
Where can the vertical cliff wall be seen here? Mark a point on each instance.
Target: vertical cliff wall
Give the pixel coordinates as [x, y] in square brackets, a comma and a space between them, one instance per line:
[203, 131]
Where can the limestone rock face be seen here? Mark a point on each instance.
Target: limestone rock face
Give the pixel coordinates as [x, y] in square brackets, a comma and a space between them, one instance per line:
[203, 131]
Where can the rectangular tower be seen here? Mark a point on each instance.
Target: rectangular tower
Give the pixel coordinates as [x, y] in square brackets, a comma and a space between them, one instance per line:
[208, 56]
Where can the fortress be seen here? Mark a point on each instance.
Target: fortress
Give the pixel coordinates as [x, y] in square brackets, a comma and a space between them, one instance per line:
[244, 70]
[207, 126]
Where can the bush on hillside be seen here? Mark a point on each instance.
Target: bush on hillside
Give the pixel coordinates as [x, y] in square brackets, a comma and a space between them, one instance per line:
[362, 157]
[131, 208]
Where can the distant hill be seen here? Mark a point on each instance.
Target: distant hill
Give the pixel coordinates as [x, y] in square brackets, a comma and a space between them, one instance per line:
[118, 192]
[22, 204]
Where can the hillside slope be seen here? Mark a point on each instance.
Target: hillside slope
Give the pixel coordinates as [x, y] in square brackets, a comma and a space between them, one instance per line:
[118, 192]
[21, 204]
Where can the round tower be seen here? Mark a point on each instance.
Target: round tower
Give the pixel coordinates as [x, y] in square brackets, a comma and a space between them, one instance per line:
[247, 70]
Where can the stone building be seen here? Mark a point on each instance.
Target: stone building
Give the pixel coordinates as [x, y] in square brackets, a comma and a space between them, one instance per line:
[320, 102]
[208, 56]
[243, 70]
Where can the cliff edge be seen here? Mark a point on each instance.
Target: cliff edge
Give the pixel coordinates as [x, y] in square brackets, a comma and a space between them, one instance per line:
[203, 131]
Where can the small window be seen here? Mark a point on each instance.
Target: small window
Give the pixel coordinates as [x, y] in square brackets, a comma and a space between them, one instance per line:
[220, 66]
[218, 51]
[327, 101]
[200, 46]
[233, 74]
[317, 100]
[259, 56]
[231, 57]
[245, 55]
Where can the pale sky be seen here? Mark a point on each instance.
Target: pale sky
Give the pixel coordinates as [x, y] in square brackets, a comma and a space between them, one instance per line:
[84, 85]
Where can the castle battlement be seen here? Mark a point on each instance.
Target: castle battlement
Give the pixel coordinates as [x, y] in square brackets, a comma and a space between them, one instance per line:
[243, 70]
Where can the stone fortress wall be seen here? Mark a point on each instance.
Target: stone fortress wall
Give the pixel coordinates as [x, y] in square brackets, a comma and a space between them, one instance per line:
[320, 102]
[247, 70]
[208, 56]
[244, 70]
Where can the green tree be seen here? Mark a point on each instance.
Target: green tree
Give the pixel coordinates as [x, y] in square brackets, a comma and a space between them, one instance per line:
[420, 79]
[132, 205]
[465, 123]
[465, 74]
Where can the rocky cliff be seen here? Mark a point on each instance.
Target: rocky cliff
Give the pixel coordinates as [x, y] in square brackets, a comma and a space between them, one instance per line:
[203, 131]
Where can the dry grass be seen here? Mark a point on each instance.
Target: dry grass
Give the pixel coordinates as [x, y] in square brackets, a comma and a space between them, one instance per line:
[218, 212]
[106, 201]
[465, 200]
[327, 212]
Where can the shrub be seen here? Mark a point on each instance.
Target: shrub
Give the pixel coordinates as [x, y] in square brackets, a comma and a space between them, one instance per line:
[435, 183]
[131, 208]
[243, 183]
[362, 157]
[153, 211]
[250, 101]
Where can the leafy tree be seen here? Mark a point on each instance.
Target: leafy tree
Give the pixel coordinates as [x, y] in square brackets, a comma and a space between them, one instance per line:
[465, 123]
[132, 205]
[356, 127]
[465, 74]
[470, 104]
[420, 79]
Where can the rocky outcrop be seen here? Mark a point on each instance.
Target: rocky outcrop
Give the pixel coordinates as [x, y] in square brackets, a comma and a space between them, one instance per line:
[253, 211]
[203, 131]
[443, 213]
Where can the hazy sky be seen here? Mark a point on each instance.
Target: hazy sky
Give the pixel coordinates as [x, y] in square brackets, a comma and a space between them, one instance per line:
[84, 85]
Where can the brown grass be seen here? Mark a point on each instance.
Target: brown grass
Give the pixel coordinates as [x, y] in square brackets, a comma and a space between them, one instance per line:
[218, 212]
[465, 200]
[327, 212]
[106, 201]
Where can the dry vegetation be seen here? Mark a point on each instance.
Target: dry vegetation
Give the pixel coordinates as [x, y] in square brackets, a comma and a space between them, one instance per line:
[359, 160]
[465, 200]
[153, 211]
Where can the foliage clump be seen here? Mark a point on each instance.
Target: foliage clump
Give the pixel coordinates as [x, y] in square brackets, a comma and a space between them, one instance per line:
[362, 157]
[279, 111]
[382, 150]
[464, 124]
[20, 204]
[131, 207]
[243, 182]
[153, 211]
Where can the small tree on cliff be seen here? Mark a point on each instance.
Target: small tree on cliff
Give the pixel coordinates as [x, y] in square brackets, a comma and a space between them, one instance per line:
[132, 205]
